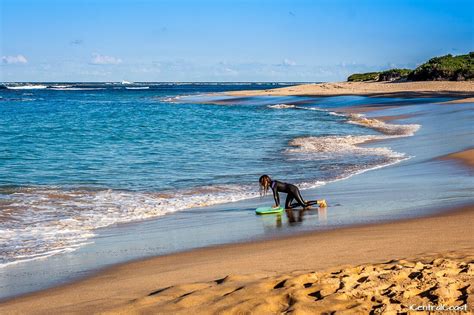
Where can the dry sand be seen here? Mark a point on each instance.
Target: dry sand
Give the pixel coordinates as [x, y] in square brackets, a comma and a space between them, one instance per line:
[254, 270]
[391, 287]
[380, 89]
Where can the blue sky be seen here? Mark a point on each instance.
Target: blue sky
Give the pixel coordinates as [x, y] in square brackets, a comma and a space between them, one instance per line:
[73, 40]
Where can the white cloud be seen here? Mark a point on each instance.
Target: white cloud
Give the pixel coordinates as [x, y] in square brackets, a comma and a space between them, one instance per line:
[98, 59]
[288, 62]
[14, 59]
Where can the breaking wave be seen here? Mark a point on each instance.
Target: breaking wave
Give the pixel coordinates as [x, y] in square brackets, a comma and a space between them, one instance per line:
[75, 88]
[383, 127]
[281, 106]
[137, 88]
[27, 87]
[37, 222]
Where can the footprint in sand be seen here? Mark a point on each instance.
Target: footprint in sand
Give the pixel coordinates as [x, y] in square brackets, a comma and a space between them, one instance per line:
[387, 288]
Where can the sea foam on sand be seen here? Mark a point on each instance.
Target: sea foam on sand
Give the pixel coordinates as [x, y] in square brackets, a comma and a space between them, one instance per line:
[350, 144]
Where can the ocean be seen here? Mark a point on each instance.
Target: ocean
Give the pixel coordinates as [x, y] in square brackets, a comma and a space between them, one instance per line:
[76, 157]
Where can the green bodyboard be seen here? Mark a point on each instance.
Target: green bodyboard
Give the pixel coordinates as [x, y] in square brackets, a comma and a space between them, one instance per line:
[268, 210]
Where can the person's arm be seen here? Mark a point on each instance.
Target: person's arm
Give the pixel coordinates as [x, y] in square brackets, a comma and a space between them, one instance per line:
[276, 196]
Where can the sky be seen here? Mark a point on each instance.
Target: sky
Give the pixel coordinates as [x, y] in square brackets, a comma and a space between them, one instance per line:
[224, 40]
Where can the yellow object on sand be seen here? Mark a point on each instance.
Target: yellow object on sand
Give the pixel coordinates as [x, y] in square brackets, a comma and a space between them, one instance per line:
[322, 203]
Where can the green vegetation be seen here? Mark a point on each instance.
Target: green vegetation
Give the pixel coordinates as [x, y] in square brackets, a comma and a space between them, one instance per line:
[389, 75]
[394, 74]
[449, 67]
[369, 76]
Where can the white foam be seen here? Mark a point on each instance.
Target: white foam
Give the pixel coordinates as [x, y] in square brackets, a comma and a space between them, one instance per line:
[340, 145]
[176, 99]
[383, 127]
[336, 114]
[46, 221]
[350, 144]
[75, 89]
[403, 130]
[343, 147]
[26, 87]
[316, 148]
[137, 88]
[60, 86]
[281, 106]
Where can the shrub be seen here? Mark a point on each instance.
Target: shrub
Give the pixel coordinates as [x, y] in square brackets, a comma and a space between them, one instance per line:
[359, 77]
[449, 67]
[394, 74]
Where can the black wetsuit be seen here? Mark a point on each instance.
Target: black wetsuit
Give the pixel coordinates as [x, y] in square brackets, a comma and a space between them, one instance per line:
[293, 193]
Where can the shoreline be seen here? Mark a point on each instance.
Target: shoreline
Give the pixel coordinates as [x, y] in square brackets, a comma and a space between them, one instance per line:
[117, 288]
[465, 158]
[458, 90]
[123, 272]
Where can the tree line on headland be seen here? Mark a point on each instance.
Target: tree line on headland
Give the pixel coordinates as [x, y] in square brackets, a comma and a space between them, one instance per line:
[444, 68]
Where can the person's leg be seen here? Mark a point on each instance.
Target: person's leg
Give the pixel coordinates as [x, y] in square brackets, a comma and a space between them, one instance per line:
[299, 198]
[288, 201]
[320, 203]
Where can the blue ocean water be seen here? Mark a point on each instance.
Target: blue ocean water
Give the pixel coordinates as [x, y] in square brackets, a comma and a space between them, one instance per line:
[77, 157]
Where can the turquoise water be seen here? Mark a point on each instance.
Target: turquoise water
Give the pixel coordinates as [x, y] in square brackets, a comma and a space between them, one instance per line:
[75, 158]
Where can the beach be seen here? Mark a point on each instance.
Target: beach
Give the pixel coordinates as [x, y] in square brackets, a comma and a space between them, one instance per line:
[221, 278]
[373, 89]
[395, 234]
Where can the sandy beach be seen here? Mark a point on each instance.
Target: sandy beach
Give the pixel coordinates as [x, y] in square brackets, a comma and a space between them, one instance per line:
[375, 89]
[360, 269]
[286, 274]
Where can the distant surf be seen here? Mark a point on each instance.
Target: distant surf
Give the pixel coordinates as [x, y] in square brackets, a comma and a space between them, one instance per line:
[26, 87]
[137, 87]
[281, 106]
[75, 88]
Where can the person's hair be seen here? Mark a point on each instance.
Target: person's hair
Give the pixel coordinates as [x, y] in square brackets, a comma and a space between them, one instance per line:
[264, 182]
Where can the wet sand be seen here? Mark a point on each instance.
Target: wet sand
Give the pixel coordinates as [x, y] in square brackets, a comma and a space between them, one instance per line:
[465, 157]
[394, 117]
[255, 269]
[462, 100]
[376, 89]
